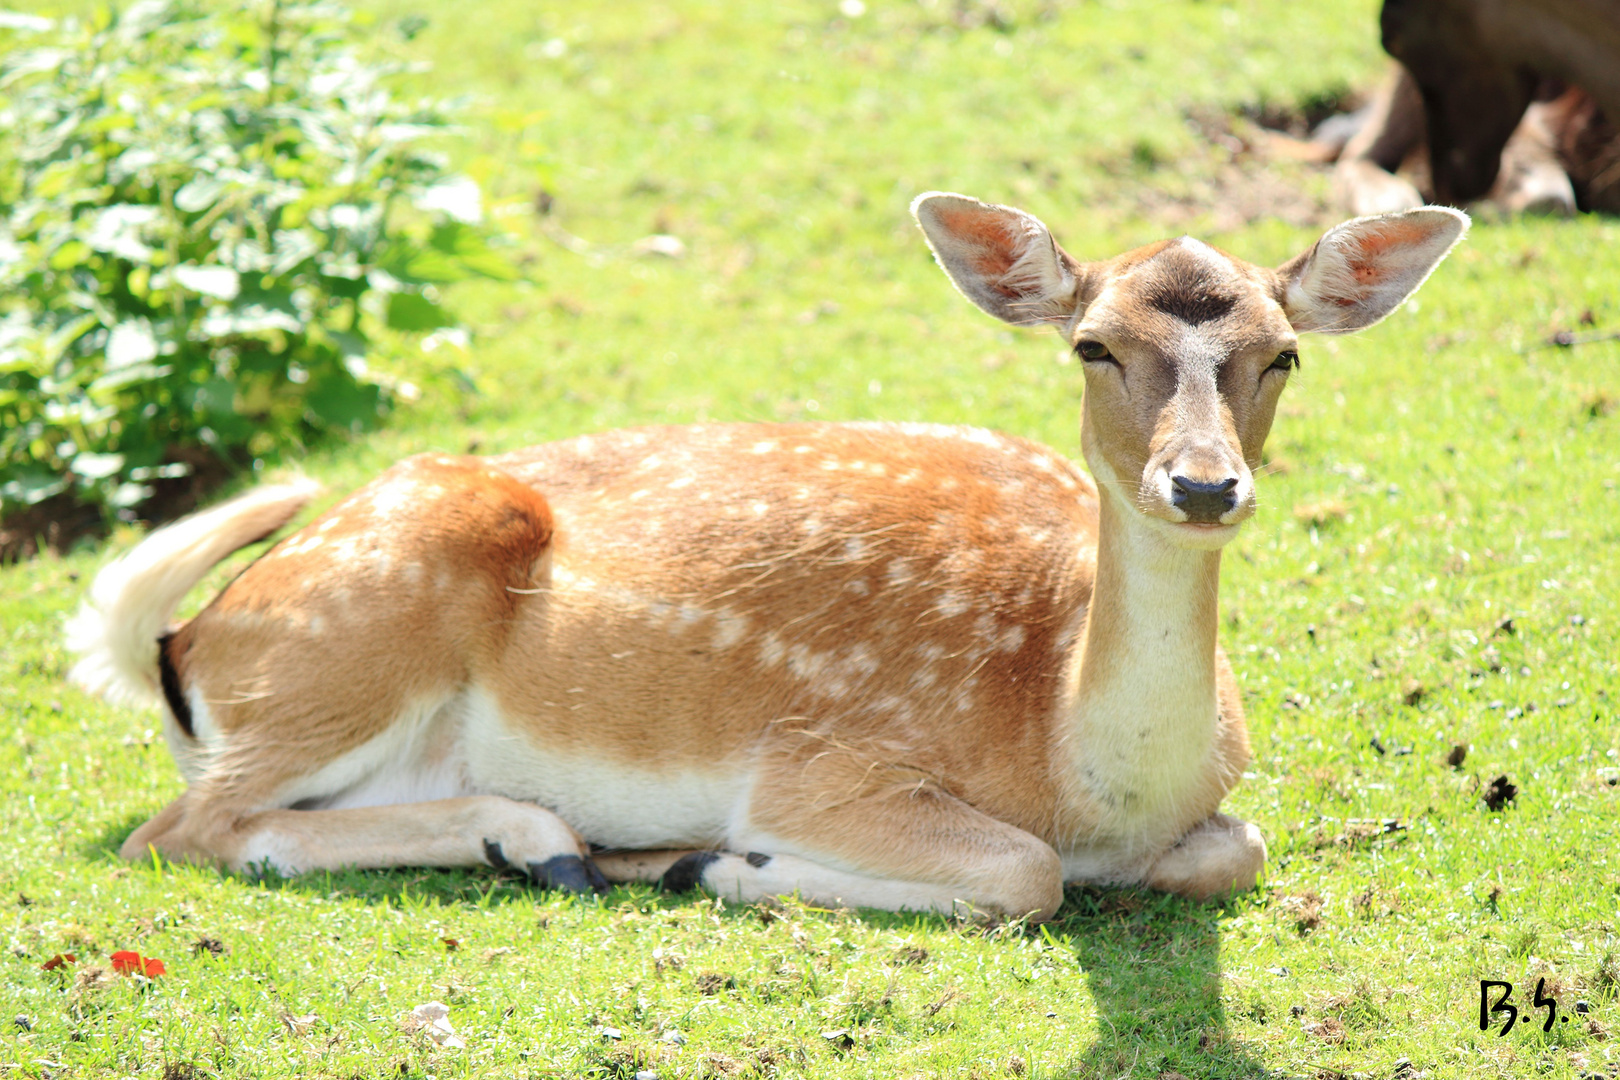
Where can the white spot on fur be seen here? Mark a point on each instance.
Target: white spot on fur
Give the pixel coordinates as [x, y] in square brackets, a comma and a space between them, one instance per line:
[951, 603]
[346, 550]
[764, 446]
[762, 508]
[680, 482]
[861, 660]
[805, 662]
[729, 629]
[642, 494]
[771, 650]
[307, 544]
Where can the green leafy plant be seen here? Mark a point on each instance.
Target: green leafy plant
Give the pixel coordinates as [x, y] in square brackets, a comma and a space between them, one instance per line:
[209, 216]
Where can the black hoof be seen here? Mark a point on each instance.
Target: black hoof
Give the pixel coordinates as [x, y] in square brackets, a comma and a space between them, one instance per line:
[568, 872]
[494, 854]
[756, 860]
[687, 873]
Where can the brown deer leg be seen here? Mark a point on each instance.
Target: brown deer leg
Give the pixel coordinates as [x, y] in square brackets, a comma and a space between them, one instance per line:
[483, 830]
[836, 828]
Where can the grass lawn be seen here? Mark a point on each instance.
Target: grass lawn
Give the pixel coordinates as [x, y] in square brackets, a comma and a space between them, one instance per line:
[1433, 567]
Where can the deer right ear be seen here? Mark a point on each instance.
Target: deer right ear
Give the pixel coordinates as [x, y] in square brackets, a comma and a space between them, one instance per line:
[1002, 259]
[1360, 271]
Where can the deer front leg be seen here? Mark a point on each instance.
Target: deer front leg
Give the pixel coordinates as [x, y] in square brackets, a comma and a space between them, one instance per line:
[484, 830]
[1219, 856]
[840, 829]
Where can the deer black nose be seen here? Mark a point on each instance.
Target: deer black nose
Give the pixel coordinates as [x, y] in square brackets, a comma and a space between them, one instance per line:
[1203, 503]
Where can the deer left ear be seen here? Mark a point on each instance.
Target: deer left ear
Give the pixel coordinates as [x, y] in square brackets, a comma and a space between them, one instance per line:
[1001, 258]
[1360, 271]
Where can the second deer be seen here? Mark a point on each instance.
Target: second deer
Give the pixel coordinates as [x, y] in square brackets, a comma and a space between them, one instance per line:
[886, 665]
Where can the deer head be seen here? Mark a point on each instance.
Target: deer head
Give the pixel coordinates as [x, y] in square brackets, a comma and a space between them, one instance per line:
[1185, 348]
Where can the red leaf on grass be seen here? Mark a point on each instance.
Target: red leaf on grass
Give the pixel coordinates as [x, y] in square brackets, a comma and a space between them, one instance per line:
[59, 960]
[133, 963]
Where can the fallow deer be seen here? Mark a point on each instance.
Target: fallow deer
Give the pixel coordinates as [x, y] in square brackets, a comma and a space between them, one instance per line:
[885, 665]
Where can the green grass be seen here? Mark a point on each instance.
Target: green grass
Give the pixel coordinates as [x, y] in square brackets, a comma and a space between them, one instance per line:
[1456, 480]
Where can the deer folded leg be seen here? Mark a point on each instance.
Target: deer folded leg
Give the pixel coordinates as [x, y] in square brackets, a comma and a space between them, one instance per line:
[837, 829]
[625, 866]
[484, 830]
[1222, 855]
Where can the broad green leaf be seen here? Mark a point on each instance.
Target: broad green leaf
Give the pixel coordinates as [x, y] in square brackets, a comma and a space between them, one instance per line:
[117, 230]
[93, 466]
[220, 282]
[131, 342]
[128, 494]
[249, 319]
[413, 311]
[32, 487]
[128, 376]
[199, 193]
[457, 196]
[344, 403]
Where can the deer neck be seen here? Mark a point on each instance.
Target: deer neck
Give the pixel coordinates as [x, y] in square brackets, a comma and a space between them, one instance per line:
[1145, 706]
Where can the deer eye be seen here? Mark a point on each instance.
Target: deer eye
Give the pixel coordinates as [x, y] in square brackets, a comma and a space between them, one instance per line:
[1286, 360]
[1095, 351]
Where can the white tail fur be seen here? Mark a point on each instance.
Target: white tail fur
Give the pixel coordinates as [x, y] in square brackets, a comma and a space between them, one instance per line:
[116, 629]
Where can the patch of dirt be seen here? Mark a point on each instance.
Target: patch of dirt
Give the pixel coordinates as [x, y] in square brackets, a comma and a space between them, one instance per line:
[1326, 512]
[58, 523]
[1306, 909]
[712, 982]
[1301, 118]
[1225, 195]
[55, 525]
[1500, 792]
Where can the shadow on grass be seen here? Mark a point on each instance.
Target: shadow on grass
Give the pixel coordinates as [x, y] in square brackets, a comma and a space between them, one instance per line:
[478, 886]
[1152, 962]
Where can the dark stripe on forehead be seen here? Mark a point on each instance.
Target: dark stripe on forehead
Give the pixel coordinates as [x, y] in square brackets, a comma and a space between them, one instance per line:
[1184, 286]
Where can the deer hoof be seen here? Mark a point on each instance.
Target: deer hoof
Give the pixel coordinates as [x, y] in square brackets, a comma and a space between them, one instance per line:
[687, 873]
[570, 873]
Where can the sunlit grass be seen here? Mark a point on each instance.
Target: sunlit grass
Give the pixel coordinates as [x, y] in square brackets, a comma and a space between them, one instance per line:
[1429, 481]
